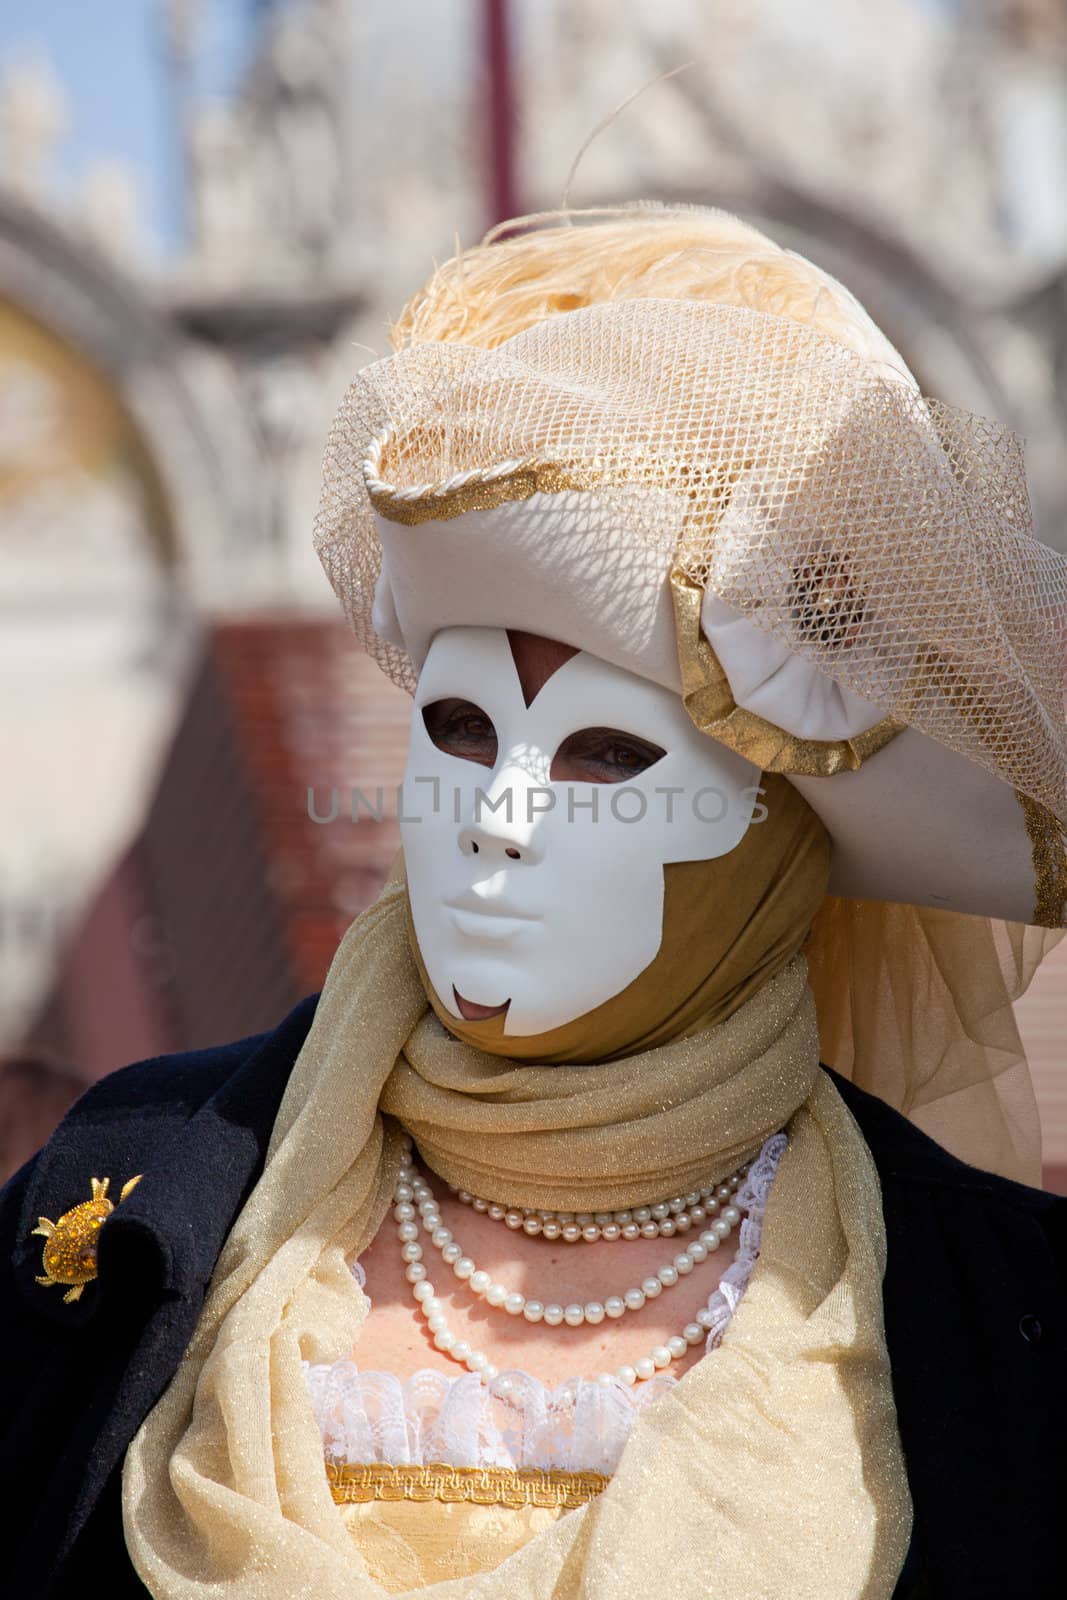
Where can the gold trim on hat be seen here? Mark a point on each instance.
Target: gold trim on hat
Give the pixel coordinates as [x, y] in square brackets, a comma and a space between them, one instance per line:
[480, 489]
[514, 1487]
[1048, 848]
[708, 699]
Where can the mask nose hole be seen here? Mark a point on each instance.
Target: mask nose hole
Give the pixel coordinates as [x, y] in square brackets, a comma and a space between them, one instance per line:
[474, 847]
[514, 854]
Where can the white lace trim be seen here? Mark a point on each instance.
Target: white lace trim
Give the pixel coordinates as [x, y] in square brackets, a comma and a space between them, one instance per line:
[579, 1426]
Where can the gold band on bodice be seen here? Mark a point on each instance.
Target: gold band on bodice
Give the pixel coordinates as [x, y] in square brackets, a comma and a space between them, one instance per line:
[358, 1484]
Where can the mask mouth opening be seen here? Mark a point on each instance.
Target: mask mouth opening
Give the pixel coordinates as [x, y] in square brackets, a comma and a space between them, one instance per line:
[471, 1012]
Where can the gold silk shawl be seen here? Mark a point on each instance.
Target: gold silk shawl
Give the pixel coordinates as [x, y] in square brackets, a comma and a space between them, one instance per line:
[772, 1469]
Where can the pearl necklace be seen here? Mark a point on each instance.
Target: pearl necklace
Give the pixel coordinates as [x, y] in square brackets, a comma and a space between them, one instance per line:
[662, 1220]
[413, 1191]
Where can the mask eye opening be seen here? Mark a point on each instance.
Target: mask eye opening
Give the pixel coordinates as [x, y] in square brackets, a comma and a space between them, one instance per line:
[603, 755]
[462, 729]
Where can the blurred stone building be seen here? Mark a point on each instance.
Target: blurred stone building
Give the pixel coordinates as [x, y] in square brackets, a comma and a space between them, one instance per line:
[161, 426]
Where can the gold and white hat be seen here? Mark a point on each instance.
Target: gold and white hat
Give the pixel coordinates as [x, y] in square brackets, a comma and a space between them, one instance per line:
[839, 576]
[655, 434]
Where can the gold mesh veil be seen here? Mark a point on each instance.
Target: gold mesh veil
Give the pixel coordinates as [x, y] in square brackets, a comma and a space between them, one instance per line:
[786, 462]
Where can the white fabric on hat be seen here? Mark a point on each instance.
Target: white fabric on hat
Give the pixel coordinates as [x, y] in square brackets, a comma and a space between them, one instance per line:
[921, 824]
[569, 566]
[766, 678]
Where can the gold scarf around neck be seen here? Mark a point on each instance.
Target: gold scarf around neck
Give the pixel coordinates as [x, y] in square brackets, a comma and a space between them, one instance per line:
[772, 1469]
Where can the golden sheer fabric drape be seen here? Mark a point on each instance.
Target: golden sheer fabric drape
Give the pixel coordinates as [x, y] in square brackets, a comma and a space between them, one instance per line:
[915, 1006]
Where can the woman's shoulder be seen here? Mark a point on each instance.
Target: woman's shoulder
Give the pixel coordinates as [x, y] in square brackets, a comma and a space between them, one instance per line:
[975, 1304]
[83, 1369]
[942, 1214]
[976, 1261]
[907, 1157]
[197, 1108]
[135, 1111]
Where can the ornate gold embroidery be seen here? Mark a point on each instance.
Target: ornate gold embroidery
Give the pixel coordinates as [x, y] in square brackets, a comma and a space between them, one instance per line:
[514, 1487]
[708, 700]
[1049, 850]
[69, 1255]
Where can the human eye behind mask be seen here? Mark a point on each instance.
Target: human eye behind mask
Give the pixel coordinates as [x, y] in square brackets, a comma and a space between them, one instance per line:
[592, 755]
[603, 755]
[462, 729]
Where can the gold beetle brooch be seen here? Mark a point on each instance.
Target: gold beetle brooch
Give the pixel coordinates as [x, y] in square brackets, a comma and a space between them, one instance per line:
[70, 1252]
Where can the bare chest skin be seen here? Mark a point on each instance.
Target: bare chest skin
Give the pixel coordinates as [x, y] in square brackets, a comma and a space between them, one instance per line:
[395, 1337]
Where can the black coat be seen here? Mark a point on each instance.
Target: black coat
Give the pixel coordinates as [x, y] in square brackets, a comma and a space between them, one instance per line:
[975, 1301]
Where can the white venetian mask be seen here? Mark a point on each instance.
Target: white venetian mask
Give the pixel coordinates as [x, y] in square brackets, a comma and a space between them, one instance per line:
[535, 836]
